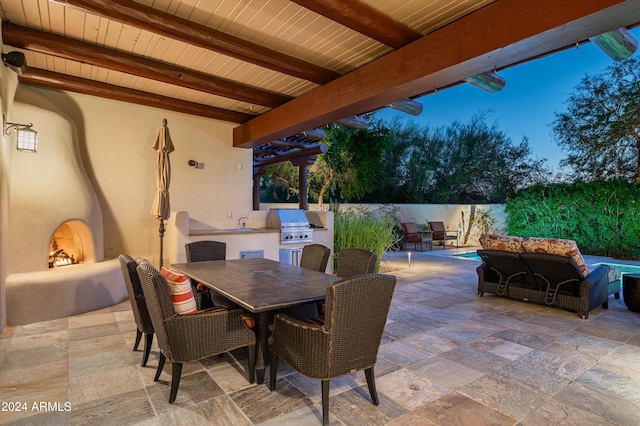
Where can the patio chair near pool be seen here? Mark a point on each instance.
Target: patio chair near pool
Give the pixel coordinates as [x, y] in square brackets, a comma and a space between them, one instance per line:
[412, 235]
[440, 233]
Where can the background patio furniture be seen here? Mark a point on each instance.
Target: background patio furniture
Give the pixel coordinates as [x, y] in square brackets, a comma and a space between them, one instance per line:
[315, 256]
[184, 338]
[347, 342]
[440, 233]
[412, 235]
[543, 278]
[615, 279]
[138, 305]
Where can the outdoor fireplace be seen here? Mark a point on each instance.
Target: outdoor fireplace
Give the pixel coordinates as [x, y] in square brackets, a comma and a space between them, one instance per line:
[54, 207]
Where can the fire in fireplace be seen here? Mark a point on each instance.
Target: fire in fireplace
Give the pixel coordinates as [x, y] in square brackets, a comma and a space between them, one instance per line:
[66, 246]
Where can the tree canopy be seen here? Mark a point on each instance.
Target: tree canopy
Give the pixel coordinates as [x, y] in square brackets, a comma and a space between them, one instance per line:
[403, 162]
[601, 128]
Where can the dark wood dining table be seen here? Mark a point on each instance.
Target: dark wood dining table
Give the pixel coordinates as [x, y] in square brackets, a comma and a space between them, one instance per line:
[262, 287]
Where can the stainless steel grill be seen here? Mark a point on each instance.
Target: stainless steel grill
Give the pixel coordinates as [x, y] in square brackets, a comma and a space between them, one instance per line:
[293, 224]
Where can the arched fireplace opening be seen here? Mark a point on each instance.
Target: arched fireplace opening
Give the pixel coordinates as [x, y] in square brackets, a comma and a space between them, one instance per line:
[71, 243]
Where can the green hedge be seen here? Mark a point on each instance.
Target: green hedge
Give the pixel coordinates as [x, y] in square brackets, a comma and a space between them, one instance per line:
[603, 217]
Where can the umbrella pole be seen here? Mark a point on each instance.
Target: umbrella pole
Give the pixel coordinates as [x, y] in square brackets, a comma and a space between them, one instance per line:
[161, 231]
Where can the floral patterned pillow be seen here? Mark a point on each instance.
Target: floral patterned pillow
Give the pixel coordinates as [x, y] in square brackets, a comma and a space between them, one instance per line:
[567, 248]
[501, 242]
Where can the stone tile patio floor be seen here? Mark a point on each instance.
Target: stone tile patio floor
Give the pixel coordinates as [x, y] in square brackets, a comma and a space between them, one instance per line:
[447, 357]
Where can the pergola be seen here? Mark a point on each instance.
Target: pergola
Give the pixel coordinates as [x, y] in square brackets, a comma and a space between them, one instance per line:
[283, 69]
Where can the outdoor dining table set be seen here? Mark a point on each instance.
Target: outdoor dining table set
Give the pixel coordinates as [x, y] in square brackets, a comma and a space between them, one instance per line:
[323, 325]
[262, 287]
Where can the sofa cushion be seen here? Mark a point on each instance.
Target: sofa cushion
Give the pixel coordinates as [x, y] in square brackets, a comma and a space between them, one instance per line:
[501, 242]
[567, 248]
[181, 292]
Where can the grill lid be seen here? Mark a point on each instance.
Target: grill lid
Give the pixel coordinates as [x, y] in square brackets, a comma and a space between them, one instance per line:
[285, 218]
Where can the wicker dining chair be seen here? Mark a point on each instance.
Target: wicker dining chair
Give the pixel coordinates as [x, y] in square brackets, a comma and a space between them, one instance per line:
[354, 261]
[200, 251]
[315, 256]
[191, 337]
[138, 305]
[346, 342]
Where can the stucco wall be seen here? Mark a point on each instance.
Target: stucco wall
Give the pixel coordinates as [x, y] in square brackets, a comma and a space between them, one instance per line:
[8, 82]
[116, 146]
[455, 216]
[114, 141]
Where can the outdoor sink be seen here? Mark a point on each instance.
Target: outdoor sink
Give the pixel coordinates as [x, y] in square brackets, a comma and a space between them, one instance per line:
[242, 230]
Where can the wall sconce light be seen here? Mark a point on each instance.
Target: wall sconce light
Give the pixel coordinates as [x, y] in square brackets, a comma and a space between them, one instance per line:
[26, 137]
[15, 60]
[195, 164]
[489, 81]
[407, 105]
[354, 121]
[617, 44]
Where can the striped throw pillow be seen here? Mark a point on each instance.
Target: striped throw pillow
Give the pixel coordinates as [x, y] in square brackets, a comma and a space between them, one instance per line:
[181, 292]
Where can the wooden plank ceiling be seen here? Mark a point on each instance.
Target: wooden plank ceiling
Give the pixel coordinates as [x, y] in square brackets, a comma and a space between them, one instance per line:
[279, 68]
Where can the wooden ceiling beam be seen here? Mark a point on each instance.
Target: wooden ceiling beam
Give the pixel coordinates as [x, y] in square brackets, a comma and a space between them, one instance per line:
[156, 22]
[54, 80]
[308, 153]
[47, 43]
[363, 19]
[498, 35]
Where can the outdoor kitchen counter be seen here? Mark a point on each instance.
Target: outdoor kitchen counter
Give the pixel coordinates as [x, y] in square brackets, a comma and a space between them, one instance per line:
[201, 232]
[262, 240]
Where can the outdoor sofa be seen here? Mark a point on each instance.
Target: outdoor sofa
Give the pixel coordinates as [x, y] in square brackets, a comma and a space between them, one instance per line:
[541, 270]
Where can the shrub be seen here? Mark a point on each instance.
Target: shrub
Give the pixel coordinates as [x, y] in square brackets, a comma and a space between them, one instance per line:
[355, 228]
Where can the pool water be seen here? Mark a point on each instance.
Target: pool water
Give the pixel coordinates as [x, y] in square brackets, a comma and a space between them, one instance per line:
[625, 269]
[471, 255]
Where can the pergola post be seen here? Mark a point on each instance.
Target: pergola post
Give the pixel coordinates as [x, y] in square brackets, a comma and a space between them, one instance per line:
[257, 173]
[303, 194]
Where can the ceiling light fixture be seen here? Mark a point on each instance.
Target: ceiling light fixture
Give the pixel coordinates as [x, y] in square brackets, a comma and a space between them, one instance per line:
[26, 137]
[617, 44]
[354, 122]
[489, 81]
[408, 106]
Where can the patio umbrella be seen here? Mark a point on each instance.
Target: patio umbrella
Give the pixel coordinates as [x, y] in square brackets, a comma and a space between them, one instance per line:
[160, 208]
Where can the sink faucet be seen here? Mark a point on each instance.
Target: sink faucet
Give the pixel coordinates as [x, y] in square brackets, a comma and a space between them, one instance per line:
[241, 224]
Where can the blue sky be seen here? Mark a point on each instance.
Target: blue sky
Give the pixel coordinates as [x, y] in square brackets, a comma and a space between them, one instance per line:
[534, 92]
